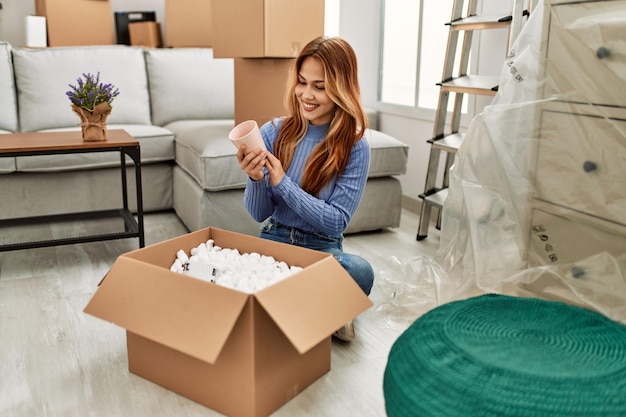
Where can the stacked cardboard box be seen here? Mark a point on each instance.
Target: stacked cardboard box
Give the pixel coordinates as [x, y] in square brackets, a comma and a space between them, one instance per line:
[265, 28]
[124, 20]
[260, 87]
[188, 23]
[77, 22]
[146, 34]
[264, 36]
[244, 355]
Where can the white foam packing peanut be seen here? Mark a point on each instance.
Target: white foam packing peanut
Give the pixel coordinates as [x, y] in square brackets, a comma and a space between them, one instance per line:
[247, 272]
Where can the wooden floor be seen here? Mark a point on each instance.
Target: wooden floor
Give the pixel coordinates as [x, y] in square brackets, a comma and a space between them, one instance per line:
[56, 361]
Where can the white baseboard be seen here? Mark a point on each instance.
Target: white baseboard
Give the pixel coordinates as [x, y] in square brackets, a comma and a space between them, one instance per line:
[414, 205]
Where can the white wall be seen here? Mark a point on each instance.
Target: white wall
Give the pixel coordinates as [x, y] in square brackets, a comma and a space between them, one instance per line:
[12, 20]
[359, 24]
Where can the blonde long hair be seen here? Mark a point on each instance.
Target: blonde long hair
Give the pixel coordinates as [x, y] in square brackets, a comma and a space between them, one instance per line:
[349, 122]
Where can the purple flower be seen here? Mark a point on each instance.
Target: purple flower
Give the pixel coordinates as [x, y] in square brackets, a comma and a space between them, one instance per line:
[89, 92]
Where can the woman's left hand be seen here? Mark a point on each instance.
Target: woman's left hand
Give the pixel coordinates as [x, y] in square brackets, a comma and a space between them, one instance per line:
[274, 169]
[252, 162]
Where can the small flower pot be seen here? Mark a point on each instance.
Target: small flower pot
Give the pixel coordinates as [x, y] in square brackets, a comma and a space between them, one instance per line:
[93, 124]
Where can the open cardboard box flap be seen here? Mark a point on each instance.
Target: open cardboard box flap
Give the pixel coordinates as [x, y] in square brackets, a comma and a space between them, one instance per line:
[196, 317]
[310, 305]
[313, 303]
[186, 314]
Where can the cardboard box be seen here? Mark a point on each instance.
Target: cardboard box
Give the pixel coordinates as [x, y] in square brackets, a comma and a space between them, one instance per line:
[265, 28]
[260, 87]
[243, 355]
[77, 22]
[123, 20]
[188, 23]
[145, 34]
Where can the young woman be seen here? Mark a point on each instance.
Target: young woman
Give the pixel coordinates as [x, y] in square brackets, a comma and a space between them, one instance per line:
[307, 187]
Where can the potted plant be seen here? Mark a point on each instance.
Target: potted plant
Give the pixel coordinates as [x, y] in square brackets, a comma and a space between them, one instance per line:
[91, 101]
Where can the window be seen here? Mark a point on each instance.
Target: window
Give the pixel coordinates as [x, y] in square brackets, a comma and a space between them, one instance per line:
[413, 51]
[400, 47]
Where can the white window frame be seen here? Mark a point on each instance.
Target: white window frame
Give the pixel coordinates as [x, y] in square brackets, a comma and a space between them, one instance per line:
[415, 111]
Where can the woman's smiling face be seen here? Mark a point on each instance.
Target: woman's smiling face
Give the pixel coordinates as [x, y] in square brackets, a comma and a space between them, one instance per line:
[317, 107]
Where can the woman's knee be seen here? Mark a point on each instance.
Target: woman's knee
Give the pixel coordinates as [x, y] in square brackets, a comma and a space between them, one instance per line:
[359, 269]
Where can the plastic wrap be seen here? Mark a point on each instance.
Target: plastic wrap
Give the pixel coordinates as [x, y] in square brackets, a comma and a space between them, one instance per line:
[537, 196]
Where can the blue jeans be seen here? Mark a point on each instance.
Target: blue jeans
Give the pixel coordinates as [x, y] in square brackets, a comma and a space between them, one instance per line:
[359, 269]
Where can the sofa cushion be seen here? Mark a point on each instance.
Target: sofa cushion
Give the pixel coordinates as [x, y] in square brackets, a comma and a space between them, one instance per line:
[43, 76]
[8, 103]
[188, 83]
[388, 155]
[205, 153]
[156, 144]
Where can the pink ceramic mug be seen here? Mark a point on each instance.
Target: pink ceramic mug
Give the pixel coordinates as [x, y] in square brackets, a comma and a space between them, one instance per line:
[247, 133]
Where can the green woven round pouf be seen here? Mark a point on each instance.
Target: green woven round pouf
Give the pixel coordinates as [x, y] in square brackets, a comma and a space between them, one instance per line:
[497, 355]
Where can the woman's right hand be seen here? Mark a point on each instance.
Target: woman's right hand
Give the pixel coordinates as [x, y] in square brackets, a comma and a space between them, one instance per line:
[252, 162]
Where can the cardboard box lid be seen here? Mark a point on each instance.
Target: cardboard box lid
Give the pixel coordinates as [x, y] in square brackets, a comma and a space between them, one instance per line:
[190, 315]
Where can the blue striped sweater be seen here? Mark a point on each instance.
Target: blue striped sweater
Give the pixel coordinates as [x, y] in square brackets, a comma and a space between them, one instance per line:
[290, 205]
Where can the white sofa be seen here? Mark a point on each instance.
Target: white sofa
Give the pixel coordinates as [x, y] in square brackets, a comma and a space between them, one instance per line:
[179, 103]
